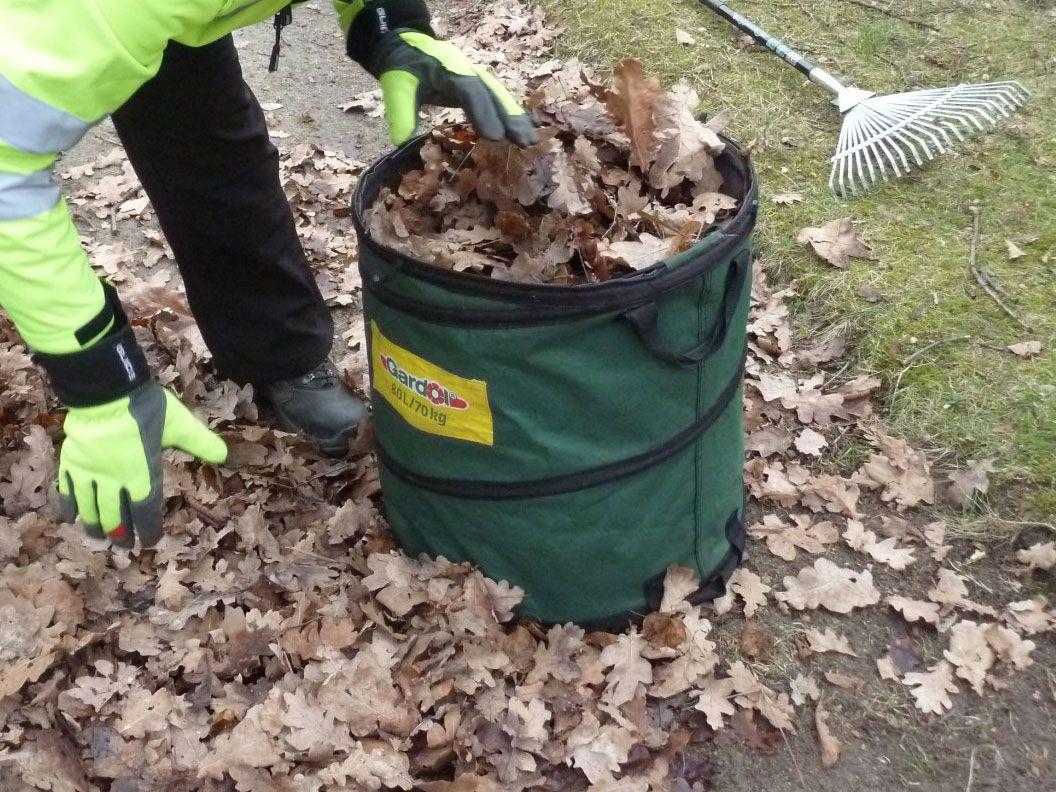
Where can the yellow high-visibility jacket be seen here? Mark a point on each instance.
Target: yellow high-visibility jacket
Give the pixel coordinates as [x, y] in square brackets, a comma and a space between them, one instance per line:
[65, 65]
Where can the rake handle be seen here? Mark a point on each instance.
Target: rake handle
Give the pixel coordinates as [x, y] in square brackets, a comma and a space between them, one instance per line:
[775, 45]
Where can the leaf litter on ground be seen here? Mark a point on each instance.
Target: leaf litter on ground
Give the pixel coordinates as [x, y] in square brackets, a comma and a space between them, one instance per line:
[276, 638]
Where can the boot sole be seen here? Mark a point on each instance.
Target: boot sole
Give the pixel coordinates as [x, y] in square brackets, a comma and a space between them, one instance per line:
[332, 447]
[337, 447]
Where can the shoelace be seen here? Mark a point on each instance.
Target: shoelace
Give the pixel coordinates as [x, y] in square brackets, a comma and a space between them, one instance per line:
[322, 374]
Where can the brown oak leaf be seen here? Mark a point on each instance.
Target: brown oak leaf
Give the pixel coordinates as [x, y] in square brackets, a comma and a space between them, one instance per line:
[829, 586]
[1038, 556]
[714, 699]
[973, 480]
[628, 668]
[970, 653]
[830, 746]
[631, 102]
[915, 610]
[931, 689]
[829, 641]
[837, 242]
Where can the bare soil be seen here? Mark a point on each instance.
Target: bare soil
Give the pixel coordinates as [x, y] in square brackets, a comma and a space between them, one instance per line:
[1000, 741]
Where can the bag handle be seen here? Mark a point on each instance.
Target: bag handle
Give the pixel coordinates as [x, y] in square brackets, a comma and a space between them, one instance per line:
[645, 320]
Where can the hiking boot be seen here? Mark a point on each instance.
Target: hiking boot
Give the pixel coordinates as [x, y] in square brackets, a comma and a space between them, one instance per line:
[316, 405]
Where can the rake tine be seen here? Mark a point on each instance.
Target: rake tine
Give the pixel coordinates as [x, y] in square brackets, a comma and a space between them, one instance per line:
[887, 136]
[916, 140]
[860, 157]
[884, 145]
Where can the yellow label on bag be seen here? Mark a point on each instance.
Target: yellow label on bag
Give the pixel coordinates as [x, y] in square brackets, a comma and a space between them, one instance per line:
[428, 397]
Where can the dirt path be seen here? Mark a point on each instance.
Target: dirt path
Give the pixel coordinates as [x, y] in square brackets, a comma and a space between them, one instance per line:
[314, 78]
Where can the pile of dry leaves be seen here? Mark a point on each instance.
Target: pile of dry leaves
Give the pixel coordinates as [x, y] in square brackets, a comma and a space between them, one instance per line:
[276, 640]
[621, 178]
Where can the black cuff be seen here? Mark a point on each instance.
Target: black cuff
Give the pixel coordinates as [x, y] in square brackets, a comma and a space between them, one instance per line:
[377, 19]
[111, 368]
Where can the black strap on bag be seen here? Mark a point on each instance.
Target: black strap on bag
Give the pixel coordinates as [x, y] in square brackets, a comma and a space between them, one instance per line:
[645, 320]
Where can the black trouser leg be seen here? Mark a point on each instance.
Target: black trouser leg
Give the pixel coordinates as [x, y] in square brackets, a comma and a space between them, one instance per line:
[195, 135]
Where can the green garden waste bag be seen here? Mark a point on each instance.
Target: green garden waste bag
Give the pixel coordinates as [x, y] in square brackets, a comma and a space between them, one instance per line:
[574, 440]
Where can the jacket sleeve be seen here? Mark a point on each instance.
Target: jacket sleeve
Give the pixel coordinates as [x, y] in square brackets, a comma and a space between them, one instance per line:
[64, 66]
[365, 22]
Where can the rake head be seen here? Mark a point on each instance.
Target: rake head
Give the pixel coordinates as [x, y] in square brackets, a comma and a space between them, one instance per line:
[885, 136]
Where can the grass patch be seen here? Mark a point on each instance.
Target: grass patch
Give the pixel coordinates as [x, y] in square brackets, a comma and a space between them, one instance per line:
[915, 761]
[970, 398]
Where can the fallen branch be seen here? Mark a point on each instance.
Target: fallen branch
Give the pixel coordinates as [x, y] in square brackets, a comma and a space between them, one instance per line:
[894, 14]
[982, 278]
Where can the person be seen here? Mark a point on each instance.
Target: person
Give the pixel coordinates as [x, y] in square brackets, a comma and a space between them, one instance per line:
[167, 73]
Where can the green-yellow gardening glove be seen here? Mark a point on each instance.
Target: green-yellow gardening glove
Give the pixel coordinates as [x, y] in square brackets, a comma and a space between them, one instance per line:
[110, 466]
[392, 39]
[417, 69]
[119, 420]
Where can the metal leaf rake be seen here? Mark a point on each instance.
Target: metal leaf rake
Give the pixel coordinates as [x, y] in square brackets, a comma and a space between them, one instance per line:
[887, 136]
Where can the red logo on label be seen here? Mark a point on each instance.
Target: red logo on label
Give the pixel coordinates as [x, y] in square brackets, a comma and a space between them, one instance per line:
[426, 388]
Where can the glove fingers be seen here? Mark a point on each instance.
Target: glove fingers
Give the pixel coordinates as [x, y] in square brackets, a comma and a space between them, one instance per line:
[481, 108]
[505, 99]
[399, 91]
[84, 499]
[79, 501]
[67, 503]
[145, 516]
[117, 529]
[187, 433]
[519, 127]
[521, 130]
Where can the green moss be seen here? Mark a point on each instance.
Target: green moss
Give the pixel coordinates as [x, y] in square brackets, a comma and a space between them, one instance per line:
[968, 396]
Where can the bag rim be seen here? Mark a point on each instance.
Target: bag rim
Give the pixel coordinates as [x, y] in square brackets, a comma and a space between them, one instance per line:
[714, 245]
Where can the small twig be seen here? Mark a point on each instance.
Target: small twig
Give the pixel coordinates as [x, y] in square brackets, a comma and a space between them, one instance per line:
[450, 176]
[342, 467]
[991, 281]
[795, 762]
[907, 364]
[991, 292]
[971, 770]
[203, 512]
[983, 279]
[895, 14]
[932, 345]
